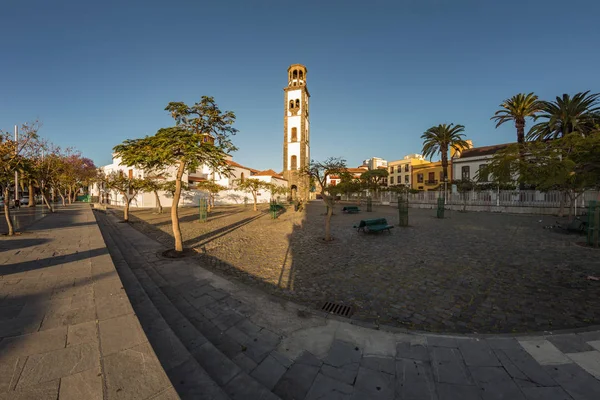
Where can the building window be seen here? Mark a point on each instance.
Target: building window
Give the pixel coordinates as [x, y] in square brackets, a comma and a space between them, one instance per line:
[291, 104]
[419, 178]
[407, 179]
[466, 172]
[297, 103]
[406, 167]
[295, 74]
[130, 173]
[391, 180]
[483, 176]
[294, 162]
[294, 134]
[301, 75]
[242, 177]
[391, 170]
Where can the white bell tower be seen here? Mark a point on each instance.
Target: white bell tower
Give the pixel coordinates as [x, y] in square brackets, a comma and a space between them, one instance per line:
[296, 132]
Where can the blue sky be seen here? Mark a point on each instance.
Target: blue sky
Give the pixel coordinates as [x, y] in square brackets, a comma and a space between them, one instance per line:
[379, 72]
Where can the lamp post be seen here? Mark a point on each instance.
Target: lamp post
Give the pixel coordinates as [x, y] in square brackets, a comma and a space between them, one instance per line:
[16, 173]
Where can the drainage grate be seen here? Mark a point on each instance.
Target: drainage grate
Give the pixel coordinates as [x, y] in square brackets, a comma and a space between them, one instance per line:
[338, 309]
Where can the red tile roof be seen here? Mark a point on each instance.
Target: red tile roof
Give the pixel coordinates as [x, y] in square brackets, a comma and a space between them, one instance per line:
[269, 172]
[234, 164]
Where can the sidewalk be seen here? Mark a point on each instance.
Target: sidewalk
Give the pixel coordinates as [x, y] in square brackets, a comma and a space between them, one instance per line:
[67, 329]
[297, 352]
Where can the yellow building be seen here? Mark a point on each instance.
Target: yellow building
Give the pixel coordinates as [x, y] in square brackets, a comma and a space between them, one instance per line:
[430, 176]
[400, 171]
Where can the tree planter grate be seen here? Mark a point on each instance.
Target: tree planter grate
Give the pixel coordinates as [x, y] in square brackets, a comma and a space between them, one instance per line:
[337, 309]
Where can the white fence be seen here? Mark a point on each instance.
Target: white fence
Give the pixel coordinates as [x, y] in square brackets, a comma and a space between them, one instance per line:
[517, 201]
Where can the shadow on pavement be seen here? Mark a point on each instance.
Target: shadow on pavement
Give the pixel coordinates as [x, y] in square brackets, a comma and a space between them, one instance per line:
[18, 243]
[15, 268]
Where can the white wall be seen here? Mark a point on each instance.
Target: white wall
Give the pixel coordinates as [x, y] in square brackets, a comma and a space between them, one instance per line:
[473, 163]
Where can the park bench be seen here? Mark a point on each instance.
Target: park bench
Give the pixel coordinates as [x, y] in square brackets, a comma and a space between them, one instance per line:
[373, 225]
[351, 209]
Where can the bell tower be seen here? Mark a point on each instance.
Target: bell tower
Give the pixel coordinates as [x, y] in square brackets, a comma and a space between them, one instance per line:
[296, 132]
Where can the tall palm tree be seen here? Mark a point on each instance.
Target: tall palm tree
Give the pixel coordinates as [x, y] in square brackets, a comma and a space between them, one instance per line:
[567, 114]
[518, 108]
[438, 139]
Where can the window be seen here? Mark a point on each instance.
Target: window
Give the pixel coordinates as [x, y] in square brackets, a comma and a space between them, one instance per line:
[242, 177]
[295, 74]
[291, 104]
[420, 178]
[130, 174]
[294, 162]
[431, 177]
[301, 75]
[391, 170]
[407, 179]
[294, 134]
[406, 167]
[441, 176]
[483, 177]
[391, 180]
[466, 172]
[297, 103]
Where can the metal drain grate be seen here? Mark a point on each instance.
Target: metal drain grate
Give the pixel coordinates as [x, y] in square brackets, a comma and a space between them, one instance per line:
[337, 309]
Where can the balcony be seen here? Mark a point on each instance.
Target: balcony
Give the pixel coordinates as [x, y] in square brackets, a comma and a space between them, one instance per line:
[431, 182]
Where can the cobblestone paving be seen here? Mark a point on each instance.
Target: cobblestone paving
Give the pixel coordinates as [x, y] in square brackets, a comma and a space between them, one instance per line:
[471, 272]
[255, 346]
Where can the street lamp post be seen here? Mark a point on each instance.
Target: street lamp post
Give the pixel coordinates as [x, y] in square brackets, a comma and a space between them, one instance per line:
[16, 173]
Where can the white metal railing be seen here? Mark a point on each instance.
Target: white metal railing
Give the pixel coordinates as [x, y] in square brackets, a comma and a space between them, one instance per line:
[502, 198]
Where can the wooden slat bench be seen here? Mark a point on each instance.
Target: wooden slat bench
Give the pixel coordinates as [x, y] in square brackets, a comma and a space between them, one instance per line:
[373, 225]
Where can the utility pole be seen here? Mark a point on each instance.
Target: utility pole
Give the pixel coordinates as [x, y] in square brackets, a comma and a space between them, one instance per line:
[16, 173]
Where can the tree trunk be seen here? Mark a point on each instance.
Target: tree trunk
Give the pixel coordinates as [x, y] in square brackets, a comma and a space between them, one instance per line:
[158, 205]
[254, 195]
[561, 208]
[126, 210]
[11, 229]
[45, 199]
[62, 196]
[69, 195]
[328, 220]
[31, 195]
[175, 208]
[520, 125]
[74, 195]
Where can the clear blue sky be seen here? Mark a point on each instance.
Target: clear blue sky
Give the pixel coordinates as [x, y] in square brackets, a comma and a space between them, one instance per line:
[379, 72]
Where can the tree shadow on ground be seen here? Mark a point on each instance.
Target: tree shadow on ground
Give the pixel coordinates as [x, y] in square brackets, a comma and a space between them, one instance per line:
[15, 268]
[15, 243]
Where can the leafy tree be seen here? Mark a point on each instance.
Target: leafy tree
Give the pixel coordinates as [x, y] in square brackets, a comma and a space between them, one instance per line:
[464, 186]
[213, 189]
[580, 113]
[201, 137]
[319, 171]
[439, 139]
[12, 160]
[252, 186]
[373, 179]
[278, 190]
[153, 183]
[128, 187]
[568, 164]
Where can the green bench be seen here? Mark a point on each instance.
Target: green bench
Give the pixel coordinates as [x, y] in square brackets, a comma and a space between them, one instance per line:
[373, 225]
[351, 209]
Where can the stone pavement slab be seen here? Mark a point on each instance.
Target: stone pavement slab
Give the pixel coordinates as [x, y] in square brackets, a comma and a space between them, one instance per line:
[67, 329]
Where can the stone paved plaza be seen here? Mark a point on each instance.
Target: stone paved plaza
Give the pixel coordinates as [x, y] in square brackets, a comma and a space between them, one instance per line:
[85, 315]
[470, 272]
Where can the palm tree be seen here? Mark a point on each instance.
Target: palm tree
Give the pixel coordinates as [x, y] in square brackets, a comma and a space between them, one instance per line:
[518, 108]
[580, 113]
[438, 139]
